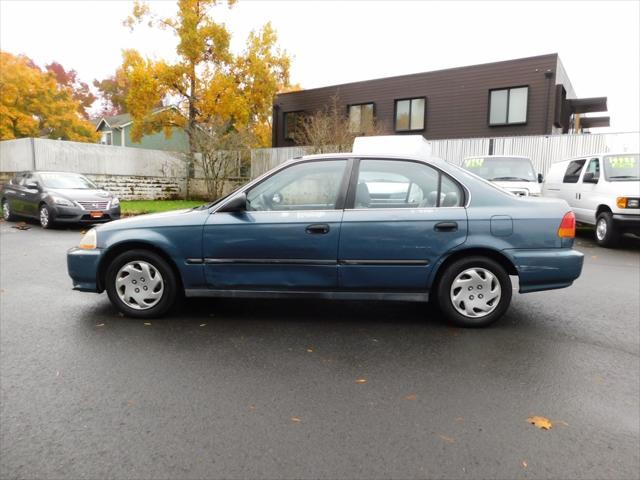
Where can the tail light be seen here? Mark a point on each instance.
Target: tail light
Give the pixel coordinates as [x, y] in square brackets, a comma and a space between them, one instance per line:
[567, 227]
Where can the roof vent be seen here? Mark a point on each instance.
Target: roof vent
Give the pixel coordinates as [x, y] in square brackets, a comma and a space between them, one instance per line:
[403, 145]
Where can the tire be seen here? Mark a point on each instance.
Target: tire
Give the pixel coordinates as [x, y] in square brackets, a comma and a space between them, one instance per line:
[464, 302]
[129, 296]
[45, 217]
[606, 233]
[7, 214]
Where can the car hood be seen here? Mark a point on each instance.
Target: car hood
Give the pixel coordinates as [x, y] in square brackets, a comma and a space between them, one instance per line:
[532, 188]
[630, 188]
[173, 218]
[82, 194]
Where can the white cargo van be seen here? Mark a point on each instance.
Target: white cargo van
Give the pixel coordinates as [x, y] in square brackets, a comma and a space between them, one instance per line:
[513, 173]
[602, 189]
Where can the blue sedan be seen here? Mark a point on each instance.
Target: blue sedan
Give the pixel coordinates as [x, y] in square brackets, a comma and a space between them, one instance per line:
[340, 226]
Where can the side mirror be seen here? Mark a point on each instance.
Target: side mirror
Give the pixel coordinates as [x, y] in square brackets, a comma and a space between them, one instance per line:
[589, 178]
[236, 204]
[540, 178]
[32, 186]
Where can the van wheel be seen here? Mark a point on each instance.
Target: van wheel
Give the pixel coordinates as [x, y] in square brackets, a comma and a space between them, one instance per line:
[141, 284]
[606, 232]
[474, 292]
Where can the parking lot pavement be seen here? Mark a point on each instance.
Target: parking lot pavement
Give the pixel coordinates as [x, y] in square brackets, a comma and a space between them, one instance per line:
[281, 389]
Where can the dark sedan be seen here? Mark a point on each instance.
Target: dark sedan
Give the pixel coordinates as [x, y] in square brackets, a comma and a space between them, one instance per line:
[57, 197]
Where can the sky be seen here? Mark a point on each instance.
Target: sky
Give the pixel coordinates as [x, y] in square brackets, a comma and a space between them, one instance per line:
[333, 42]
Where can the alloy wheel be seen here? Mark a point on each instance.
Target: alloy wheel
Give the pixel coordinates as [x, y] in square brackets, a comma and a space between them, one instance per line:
[475, 292]
[6, 213]
[139, 285]
[601, 229]
[44, 216]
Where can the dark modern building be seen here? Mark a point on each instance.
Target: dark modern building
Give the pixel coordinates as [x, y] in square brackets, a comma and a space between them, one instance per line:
[527, 96]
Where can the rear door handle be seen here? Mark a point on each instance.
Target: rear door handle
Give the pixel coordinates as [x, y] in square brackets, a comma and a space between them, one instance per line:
[317, 229]
[446, 227]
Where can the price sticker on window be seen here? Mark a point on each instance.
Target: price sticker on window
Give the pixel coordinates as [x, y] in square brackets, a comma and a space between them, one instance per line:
[474, 162]
[622, 161]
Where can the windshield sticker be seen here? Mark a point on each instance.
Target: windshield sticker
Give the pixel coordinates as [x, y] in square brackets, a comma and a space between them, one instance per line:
[474, 163]
[622, 162]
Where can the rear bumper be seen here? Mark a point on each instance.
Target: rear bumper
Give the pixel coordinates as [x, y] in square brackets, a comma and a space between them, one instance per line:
[627, 223]
[546, 269]
[79, 215]
[82, 266]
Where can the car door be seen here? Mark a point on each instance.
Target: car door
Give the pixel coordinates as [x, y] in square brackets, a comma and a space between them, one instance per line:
[287, 239]
[569, 189]
[31, 194]
[401, 216]
[586, 202]
[13, 193]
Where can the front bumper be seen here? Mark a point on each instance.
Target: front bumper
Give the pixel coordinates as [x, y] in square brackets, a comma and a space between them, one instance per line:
[63, 214]
[83, 266]
[627, 223]
[546, 269]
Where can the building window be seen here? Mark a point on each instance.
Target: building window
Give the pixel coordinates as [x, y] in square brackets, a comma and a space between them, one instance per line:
[361, 117]
[410, 114]
[508, 106]
[106, 138]
[292, 123]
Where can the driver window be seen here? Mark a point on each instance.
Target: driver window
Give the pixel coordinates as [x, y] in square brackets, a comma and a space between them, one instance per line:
[305, 186]
[594, 168]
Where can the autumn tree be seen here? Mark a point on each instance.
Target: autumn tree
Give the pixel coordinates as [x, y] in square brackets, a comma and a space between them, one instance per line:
[330, 130]
[208, 82]
[113, 93]
[79, 90]
[34, 104]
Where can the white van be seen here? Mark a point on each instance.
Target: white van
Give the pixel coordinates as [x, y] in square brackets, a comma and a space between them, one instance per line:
[513, 173]
[603, 190]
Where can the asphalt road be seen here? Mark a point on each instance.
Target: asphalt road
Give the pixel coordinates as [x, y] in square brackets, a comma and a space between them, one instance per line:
[268, 389]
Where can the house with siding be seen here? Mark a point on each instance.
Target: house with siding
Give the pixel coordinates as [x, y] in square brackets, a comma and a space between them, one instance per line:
[116, 130]
[526, 96]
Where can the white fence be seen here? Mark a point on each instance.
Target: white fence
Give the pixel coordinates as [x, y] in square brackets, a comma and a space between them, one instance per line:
[543, 149]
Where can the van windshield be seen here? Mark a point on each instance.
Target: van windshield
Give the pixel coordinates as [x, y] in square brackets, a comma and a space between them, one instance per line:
[501, 169]
[622, 168]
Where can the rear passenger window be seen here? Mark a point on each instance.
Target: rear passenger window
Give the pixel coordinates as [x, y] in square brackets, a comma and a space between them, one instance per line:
[399, 184]
[573, 171]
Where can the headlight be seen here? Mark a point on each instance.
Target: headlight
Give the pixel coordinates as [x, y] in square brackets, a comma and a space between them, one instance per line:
[115, 201]
[90, 240]
[62, 201]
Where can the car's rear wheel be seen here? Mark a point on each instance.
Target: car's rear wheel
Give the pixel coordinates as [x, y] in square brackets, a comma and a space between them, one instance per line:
[7, 214]
[141, 284]
[474, 292]
[606, 232]
[46, 216]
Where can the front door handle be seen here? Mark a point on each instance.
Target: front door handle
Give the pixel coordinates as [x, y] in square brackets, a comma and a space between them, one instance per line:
[446, 227]
[317, 228]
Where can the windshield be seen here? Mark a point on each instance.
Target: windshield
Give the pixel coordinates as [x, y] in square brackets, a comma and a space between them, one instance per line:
[66, 180]
[621, 168]
[502, 169]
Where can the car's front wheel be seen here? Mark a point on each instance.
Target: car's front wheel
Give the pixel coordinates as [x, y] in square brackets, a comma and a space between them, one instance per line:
[141, 284]
[46, 216]
[606, 232]
[7, 214]
[474, 292]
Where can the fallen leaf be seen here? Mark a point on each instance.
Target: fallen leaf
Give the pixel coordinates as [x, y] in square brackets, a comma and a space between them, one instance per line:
[413, 396]
[21, 226]
[361, 380]
[252, 408]
[446, 439]
[100, 325]
[131, 402]
[524, 464]
[146, 324]
[309, 350]
[541, 422]
[296, 419]
[203, 324]
[459, 419]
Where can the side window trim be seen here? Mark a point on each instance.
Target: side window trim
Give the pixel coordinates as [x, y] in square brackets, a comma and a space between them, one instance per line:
[355, 172]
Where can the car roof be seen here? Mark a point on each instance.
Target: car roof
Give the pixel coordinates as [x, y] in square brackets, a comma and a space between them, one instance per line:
[384, 156]
[591, 155]
[498, 156]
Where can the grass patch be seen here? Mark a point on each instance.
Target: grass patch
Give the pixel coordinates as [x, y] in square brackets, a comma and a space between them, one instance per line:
[139, 207]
